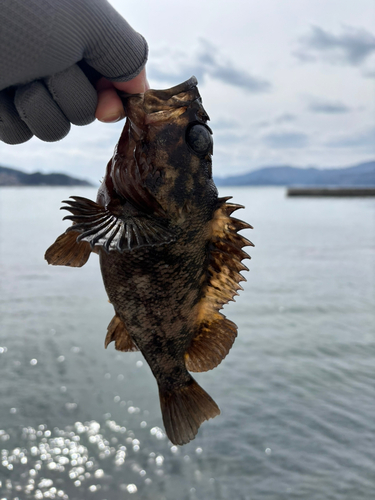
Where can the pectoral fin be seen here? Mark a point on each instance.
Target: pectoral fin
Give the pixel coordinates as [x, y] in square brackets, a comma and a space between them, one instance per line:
[100, 227]
[118, 334]
[66, 251]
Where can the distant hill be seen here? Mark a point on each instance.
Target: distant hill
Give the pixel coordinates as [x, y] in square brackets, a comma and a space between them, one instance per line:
[12, 177]
[358, 175]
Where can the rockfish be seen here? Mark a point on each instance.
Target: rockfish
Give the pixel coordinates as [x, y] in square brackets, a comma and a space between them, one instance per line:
[170, 253]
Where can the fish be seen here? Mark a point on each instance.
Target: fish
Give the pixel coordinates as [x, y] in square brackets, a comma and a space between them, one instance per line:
[170, 251]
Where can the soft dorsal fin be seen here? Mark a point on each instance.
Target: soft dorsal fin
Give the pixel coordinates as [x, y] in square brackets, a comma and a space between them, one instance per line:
[212, 343]
[98, 226]
[215, 333]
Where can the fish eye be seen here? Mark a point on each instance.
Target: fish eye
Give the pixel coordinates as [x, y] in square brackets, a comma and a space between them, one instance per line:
[199, 139]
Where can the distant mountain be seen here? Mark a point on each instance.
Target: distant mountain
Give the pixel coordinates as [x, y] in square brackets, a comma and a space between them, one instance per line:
[12, 177]
[358, 175]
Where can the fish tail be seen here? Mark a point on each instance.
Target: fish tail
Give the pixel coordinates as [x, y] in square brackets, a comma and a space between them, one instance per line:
[184, 409]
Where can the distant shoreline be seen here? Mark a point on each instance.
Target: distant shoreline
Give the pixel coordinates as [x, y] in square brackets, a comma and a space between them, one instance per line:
[6, 186]
[10, 177]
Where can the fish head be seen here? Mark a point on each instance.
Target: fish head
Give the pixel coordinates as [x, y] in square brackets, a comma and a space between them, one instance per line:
[163, 161]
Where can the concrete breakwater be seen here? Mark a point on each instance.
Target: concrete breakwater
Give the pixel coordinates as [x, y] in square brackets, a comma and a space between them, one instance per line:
[331, 191]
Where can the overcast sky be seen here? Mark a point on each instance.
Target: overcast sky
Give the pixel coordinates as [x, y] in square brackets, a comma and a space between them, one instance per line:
[284, 82]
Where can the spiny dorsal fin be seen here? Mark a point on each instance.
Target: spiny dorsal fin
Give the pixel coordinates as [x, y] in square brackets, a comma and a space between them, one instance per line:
[66, 251]
[216, 334]
[225, 258]
[98, 226]
[118, 334]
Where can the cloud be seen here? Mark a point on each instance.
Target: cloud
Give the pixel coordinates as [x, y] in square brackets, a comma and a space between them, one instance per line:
[283, 140]
[224, 124]
[353, 46]
[363, 140]
[329, 107]
[285, 117]
[228, 138]
[206, 61]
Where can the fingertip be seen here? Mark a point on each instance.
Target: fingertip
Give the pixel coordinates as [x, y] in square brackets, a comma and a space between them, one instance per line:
[109, 108]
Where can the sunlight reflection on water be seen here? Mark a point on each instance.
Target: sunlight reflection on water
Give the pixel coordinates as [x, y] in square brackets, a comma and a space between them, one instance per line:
[85, 457]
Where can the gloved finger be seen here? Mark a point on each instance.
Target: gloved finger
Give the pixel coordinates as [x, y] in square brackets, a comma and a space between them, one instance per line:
[12, 129]
[40, 112]
[113, 47]
[74, 94]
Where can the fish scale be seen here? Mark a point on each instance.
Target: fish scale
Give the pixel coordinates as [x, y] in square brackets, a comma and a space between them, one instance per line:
[169, 249]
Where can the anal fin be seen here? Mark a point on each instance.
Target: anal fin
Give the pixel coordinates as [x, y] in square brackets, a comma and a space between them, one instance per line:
[66, 251]
[211, 344]
[118, 334]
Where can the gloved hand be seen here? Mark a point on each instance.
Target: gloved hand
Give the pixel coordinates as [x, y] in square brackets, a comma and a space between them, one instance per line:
[49, 52]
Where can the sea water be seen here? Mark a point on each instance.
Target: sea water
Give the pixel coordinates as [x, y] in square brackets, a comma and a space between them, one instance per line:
[297, 390]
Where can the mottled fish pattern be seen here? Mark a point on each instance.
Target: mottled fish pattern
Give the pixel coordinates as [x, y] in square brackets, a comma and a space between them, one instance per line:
[169, 249]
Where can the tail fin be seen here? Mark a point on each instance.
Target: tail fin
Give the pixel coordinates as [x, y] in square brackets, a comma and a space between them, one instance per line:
[184, 410]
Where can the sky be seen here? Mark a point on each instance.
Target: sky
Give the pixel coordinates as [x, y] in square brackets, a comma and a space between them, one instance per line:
[285, 82]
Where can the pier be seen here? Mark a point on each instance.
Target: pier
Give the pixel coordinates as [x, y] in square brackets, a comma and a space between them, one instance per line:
[331, 191]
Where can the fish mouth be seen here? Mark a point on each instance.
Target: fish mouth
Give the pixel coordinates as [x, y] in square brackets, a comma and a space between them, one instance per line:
[158, 106]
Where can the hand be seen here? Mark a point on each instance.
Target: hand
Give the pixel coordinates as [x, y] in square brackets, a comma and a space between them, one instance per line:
[64, 66]
[110, 108]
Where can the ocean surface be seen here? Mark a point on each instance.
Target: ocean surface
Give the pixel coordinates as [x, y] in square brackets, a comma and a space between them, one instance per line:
[297, 390]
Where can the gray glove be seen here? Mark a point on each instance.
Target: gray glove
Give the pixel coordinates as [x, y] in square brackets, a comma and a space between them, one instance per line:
[42, 88]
